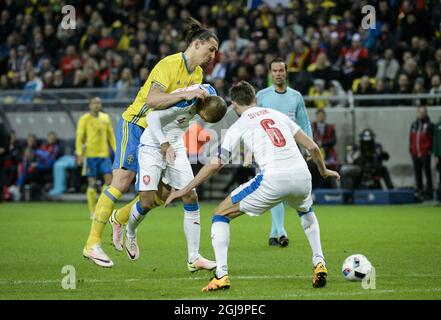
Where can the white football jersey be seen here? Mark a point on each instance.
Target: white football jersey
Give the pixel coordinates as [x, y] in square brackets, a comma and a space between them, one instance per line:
[269, 135]
[173, 122]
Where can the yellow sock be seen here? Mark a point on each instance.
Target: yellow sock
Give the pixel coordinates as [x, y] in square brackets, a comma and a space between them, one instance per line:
[123, 214]
[103, 210]
[91, 199]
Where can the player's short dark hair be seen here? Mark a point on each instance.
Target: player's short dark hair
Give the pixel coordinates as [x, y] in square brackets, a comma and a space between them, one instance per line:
[243, 93]
[197, 32]
[215, 108]
[278, 60]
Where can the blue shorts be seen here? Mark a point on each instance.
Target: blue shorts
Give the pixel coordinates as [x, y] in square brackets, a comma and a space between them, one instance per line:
[128, 136]
[97, 167]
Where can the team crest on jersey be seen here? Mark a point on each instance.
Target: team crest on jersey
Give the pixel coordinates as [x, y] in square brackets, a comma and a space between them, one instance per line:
[130, 158]
[181, 120]
[146, 179]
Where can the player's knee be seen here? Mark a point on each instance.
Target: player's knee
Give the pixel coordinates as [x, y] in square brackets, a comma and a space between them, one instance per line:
[190, 197]
[147, 201]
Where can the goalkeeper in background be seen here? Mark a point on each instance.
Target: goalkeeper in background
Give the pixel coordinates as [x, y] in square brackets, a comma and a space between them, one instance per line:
[93, 141]
[290, 102]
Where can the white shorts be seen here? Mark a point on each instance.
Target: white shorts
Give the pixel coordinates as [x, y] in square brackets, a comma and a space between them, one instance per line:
[153, 167]
[268, 189]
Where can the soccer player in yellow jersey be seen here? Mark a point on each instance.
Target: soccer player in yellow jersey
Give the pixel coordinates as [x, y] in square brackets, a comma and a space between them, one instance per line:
[176, 71]
[94, 138]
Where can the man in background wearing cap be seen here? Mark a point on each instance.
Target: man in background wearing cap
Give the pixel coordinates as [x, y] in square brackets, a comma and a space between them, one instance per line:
[355, 61]
[290, 102]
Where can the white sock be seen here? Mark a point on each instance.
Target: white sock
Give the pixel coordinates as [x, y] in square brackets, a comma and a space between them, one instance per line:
[192, 230]
[137, 214]
[312, 231]
[220, 239]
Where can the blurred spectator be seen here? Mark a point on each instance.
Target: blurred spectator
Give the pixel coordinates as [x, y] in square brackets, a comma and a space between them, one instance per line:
[418, 88]
[38, 162]
[4, 152]
[124, 84]
[387, 67]
[110, 38]
[355, 61]
[33, 85]
[420, 148]
[321, 69]
[365, 87]
[403, 88]
[337, 94]
[297, 59]
[324, 135]
[435, 89]
[436, 150]
[70, 61]
[334, 50]
[221, 89]
[318, 90]
[29, 159]
[234, 42]
[260, 79]
[12, 159]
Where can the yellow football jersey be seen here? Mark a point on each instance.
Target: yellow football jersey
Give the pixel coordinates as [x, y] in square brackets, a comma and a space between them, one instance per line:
[94, 135]
[171, 73]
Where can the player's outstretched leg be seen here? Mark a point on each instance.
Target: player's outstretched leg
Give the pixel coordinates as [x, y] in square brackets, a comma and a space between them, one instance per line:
[137, 214]
[278, 231]
[103, 210]
[220, 239]
[192, 230]
[311, 227]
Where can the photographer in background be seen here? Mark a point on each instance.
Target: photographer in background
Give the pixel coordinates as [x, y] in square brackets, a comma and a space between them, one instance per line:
[364, 167]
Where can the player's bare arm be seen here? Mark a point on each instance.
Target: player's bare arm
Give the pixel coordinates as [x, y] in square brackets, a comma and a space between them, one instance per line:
[159, 100]
[206, 172]
[316, 154]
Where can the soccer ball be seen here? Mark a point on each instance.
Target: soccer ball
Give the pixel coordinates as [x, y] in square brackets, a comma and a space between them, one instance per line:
[356, 267]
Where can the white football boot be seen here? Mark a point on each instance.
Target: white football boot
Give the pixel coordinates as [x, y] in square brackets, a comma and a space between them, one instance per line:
[98, 256]
[118, 231]
[201, 264]
[132, 248]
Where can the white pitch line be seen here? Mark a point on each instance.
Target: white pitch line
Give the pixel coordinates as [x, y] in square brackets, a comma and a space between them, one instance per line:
[331, 294]
[244, 277]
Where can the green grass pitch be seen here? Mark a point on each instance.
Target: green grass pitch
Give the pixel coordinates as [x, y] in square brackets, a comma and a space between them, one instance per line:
[402, 242]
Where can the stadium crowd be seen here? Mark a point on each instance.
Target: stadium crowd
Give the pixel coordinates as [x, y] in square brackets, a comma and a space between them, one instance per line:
[116, 43]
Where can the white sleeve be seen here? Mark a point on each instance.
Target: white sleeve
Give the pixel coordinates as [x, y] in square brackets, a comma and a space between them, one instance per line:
[294, 127]
[155, 121]
[231, 140]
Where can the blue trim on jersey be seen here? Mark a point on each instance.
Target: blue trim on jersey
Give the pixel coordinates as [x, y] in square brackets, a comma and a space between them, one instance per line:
[185, 62]
[248, 189]
[210, 89]
[140, 209]
[109, 195]
[185, 103]
[191, 207]
[219, 218]
[300, 213]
